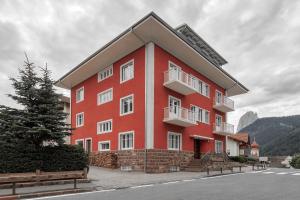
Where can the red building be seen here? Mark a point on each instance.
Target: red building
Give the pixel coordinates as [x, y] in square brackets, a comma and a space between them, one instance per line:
[155, 96]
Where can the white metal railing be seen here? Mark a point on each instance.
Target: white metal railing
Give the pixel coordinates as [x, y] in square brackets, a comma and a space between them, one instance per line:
[176, 112]
[224, 128]
[224, 100]
[181, 76]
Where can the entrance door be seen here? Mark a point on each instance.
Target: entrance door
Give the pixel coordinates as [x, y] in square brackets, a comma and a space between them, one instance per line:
[197, 149]
[174, 104]
[88, 145]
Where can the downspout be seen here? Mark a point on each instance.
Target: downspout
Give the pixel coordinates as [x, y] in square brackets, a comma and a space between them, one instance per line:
[145, 142]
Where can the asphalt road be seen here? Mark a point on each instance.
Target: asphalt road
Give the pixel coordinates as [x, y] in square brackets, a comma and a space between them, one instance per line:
[273, 184]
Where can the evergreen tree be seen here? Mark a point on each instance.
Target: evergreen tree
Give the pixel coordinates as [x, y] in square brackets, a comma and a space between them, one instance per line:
[50, 112]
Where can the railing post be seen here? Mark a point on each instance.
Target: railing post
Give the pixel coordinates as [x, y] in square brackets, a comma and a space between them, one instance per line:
[221, 170]
[85, 172]
[240, 168]
[207, 171]
[253, 167]
[13, 188]
[75, 183]
[231, 169]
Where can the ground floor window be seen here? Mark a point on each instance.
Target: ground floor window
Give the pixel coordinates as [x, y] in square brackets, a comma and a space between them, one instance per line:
[104, 146]
[79, 142]
[218, 146]
[126, 140]
[174, 141]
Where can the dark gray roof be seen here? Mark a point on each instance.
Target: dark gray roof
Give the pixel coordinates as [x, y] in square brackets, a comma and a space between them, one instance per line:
[189, 36]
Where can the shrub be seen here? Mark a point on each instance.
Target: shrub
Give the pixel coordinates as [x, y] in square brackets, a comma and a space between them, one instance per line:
[295, 162]
[240, 159]
[18, 158]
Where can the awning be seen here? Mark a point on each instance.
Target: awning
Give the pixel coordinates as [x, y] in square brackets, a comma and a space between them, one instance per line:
[199, 137]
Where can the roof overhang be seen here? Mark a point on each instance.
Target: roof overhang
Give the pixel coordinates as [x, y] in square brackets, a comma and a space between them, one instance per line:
[199, 137]
[150, 29]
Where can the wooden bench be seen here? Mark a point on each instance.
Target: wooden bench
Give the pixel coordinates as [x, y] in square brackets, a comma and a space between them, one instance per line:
[39, 176]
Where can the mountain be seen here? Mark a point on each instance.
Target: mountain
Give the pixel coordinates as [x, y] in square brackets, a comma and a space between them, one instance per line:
[247, 119]
[276, 135]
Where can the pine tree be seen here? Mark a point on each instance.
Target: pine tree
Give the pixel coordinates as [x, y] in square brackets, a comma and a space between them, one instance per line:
[50, 112]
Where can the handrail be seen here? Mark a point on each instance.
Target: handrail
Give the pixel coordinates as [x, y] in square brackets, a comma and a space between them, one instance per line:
[224, 101]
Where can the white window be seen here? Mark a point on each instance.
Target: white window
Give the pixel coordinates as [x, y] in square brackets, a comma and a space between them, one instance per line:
[218, 146]
[105, 96]
[105, 73]
[104, 126]
[79, 142]
[203, 88]
[127, 71]
[79, 94]
[218, 120]
[218, 97]
[201, 115]
[174, 141]
[104, 146]
[126, 105]
[79, 119]
[88, 145]
[126, 140]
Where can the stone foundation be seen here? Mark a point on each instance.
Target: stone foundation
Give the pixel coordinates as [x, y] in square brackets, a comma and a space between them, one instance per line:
[158, 161]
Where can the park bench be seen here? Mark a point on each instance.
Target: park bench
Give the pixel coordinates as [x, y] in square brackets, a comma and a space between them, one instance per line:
[38, 176]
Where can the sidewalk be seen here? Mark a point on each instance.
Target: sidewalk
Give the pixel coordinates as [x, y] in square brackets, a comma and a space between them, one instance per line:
[103, 178]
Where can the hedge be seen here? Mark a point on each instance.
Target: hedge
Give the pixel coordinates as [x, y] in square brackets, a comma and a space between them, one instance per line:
[295, 162]
[17, 159]
[242, 159]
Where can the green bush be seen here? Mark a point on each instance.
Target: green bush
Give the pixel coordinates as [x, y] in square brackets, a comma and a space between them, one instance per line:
[17, 158]
[295, 162]
[240, 159]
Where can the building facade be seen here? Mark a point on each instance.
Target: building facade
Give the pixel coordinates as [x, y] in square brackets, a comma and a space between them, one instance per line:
[156, 97]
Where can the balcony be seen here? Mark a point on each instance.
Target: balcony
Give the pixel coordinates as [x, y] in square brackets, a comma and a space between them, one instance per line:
[223, 129]
[179, 116]
[224, 104]
[179, 81]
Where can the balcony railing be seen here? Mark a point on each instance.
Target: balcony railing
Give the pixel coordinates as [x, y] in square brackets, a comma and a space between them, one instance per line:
[179, 116]
[224, 104]
[180, 81]
[223, 129]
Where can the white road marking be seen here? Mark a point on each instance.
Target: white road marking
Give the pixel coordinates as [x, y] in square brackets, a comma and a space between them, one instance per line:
[296, 174]
[171, 182]
[282, 173]
[188, 180]
[268, 172]
[141, 186]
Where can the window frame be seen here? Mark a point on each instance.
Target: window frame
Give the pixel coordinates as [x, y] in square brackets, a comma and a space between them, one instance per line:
[216, 146]
[76, 92]
[103, 92]
[102, 122]
[120, 141]
[220, 116]
[121, 71]
[80, 140]
[130, 112]
[180, 141]
[100, 145]
[77, 125]
[85, 139]
[111, 67]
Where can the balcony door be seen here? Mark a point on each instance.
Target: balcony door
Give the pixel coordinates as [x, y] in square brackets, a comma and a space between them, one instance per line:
[218, 122]
[175, 71]
[218, 97]
[174, 105]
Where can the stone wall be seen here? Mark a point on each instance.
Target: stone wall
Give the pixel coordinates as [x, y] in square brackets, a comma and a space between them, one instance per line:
[158, 161]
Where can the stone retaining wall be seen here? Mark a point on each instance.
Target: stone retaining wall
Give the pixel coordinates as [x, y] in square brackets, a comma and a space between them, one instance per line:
[158, 161]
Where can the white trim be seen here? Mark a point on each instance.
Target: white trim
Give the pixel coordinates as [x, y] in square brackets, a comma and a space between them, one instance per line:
[119, 142]
[123, 81]
[77, 126]
[81, 88]
[103, 142]
[149, 94]
[106, 69]
[105, 91]
[101, 122]
[85, 139]
[82, 140]
[174, 133]
[170, 96]
[122, 114]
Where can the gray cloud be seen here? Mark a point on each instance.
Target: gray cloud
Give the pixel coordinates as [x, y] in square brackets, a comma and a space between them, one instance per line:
[260, 39]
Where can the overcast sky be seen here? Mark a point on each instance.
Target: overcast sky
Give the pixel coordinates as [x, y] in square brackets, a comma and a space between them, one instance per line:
[259, 39]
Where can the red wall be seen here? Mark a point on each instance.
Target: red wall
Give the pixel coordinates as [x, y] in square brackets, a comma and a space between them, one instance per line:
[161, 95]
[111, 110]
